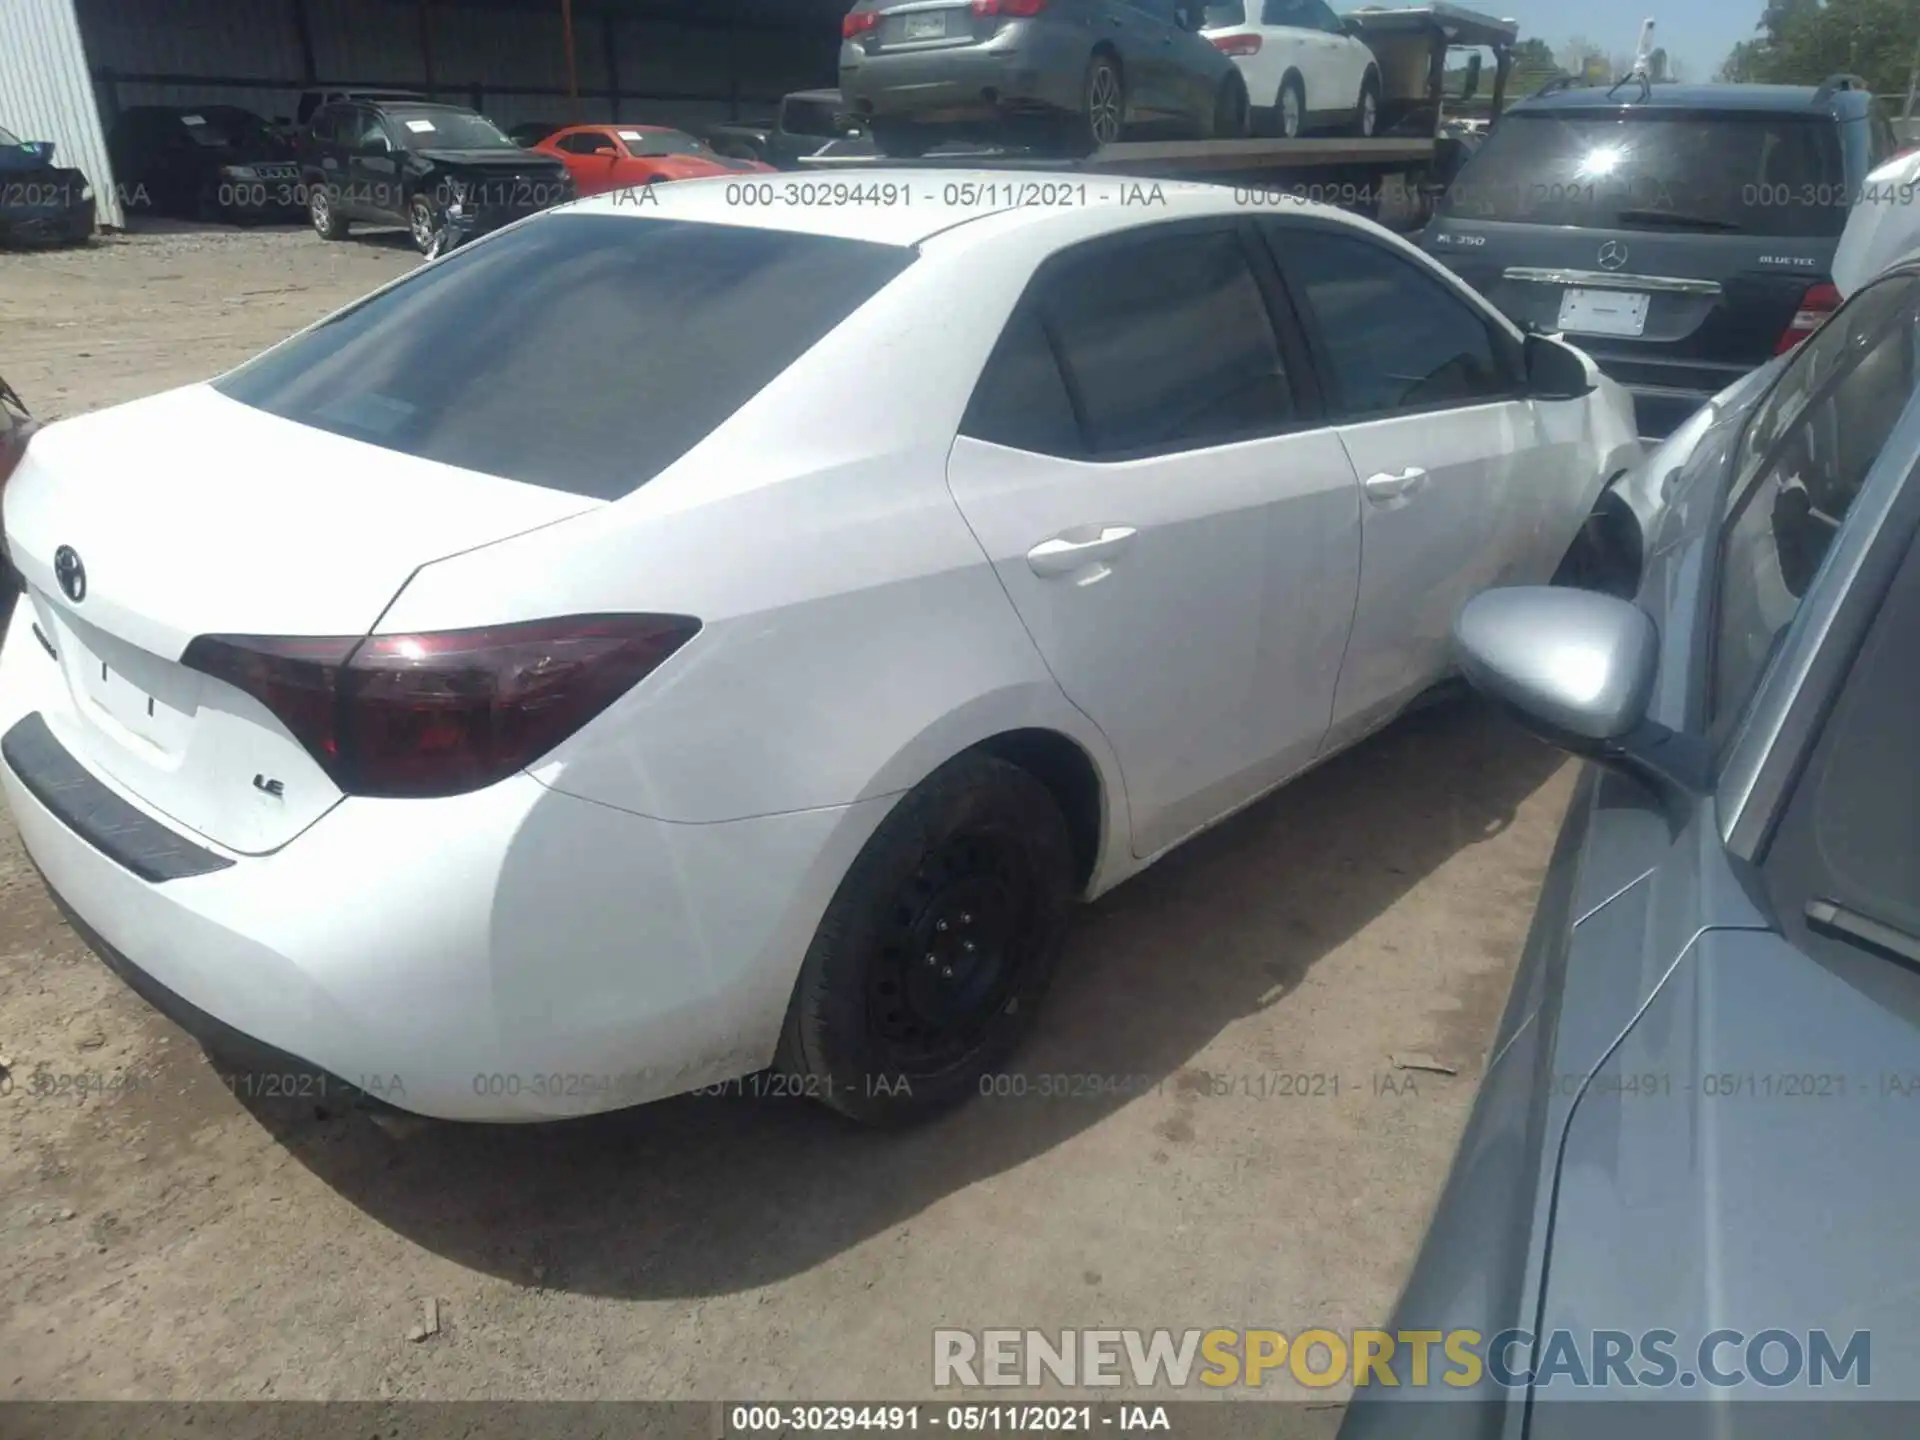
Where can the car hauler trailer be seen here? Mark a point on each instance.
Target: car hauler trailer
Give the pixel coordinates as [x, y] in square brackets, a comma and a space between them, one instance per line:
[1395, 175]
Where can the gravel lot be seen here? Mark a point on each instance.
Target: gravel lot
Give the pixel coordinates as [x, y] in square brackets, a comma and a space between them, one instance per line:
[165, 1237]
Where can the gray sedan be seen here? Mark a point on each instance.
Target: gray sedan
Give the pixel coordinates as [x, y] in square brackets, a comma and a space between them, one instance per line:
[1697, 1124]
[1070, 73]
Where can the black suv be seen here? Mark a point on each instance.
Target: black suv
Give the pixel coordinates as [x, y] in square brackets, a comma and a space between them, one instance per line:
[1683, 234]
[432, 168]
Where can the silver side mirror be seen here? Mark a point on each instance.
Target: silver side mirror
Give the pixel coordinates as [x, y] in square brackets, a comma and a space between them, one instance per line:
[1578, 665]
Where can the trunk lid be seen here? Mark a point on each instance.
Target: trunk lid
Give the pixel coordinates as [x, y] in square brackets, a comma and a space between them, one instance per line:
[931, 25]
[1710, 306]
[190, 514]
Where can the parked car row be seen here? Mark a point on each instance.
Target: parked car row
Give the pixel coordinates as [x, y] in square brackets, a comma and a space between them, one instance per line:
[1078, 74]
[41, 203]
[445, 172]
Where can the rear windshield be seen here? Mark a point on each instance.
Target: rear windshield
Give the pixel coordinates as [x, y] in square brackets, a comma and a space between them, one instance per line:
[584, 353]
[1669, 170]
[1221, 13]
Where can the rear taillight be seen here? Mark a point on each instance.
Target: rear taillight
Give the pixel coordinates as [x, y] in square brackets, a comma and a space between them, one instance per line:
[1008, 9]
[857, 22]
[1819, 302]
[445, 712]
[1236, 44]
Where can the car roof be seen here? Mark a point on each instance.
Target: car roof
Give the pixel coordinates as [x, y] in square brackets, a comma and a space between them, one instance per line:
[938, 200]
[1744, 98]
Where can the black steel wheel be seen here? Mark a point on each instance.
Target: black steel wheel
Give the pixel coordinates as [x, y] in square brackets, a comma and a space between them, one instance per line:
[932, 958]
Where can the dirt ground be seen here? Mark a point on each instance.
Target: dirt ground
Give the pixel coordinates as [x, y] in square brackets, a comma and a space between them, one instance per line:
[164, 1237]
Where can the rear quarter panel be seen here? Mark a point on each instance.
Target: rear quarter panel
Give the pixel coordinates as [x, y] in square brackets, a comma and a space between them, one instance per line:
[854, 634]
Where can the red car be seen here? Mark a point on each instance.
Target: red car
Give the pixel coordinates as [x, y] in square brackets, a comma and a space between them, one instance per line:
[612, 157]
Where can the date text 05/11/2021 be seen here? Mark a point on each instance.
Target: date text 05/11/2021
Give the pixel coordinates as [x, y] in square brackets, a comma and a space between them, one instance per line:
[1005, 1419]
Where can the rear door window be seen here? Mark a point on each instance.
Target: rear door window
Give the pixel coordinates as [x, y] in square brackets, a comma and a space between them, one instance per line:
[1021, 400]
[585, 353]
[1167, 343]
[1662, 169]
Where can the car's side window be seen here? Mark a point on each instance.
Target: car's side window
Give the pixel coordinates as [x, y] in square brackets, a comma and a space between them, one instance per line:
[1843, 867]
[1321, 17]
[1818, 434]
[1393, 338]
[1021, 400]
[587, 143]
[1166, 342]
[322, 128]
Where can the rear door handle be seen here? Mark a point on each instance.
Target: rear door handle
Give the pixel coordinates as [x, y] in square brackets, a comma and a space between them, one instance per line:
[1073, 550]
[1391, 487]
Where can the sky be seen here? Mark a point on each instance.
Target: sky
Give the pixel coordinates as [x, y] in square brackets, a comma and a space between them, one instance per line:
[1697, 32]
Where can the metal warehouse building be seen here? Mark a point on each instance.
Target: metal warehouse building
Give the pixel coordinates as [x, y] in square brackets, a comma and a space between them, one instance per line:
[68, 66]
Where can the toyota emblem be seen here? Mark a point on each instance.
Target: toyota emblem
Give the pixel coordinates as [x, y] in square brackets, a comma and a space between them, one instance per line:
[70, 572]
[1612, 255]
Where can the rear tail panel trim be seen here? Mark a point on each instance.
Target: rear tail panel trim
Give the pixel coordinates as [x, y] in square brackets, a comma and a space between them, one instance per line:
[86, 806]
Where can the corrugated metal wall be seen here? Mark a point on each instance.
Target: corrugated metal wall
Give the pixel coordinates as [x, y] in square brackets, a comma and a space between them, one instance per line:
[45, 94]
[512, 61]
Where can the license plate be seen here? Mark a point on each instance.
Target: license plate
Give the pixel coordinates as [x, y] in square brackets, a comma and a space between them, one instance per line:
[1604, 312]
[925, 27]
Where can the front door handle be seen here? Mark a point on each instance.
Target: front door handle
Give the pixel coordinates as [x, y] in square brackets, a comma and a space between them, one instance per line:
[1073, 550]
[1392, 487]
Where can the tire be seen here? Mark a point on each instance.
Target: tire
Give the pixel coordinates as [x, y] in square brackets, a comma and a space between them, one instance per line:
[1290, 107]
[1103, 106]
[423, 222]
[901, 139]
[1366, 121]
[1230, 110]
[327, 222]
[894, 1017]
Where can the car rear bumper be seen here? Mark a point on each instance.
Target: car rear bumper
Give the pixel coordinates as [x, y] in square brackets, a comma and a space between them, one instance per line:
[511, 954]
[1039, 68]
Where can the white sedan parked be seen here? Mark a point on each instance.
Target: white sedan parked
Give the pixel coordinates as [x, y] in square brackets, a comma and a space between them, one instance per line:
[1303, 70]
[659, 642]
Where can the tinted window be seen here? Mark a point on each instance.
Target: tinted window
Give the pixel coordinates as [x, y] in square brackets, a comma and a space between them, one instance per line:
[1021, 400]
[1320, 16]
[1396, 338]
[1166, 341]
[1818, 434]
[1286, 12]
[811, 117]
[1225, 12]
[1849, 839]
[584, 353]
[1661, 169]
[586, 143]
[364, 129]
[323, 125]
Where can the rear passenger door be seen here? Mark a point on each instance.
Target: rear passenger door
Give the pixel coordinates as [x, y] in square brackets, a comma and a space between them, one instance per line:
[1144, 462]
[1428, 398]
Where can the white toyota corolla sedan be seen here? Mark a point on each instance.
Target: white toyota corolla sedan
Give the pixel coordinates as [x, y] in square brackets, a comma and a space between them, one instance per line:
[665, 641]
